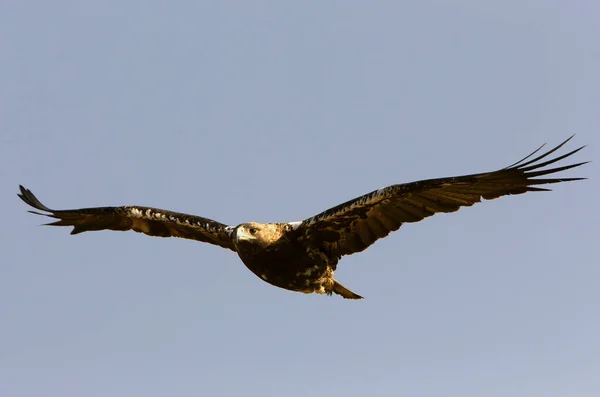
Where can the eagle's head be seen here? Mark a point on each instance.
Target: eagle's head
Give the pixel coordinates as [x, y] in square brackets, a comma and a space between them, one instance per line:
[258, 234]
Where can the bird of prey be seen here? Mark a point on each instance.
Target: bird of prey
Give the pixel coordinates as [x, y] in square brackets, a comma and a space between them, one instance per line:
[302, 256]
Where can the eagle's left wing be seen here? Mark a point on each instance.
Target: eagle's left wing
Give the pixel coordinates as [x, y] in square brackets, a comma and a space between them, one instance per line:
[147, 220]
[356, 224]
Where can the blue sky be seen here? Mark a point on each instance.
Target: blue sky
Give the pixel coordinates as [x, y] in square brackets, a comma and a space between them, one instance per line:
[275, 111]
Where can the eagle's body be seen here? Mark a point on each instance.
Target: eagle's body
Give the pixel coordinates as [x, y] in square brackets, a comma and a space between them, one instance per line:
[281, 255]
[302, 256]
[275, 254]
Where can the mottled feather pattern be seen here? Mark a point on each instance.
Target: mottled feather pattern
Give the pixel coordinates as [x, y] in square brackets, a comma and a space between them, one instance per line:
[147, 220]
[356, 224]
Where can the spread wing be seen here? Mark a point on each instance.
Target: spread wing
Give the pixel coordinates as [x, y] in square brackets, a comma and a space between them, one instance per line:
[356, 224]
[150, 221]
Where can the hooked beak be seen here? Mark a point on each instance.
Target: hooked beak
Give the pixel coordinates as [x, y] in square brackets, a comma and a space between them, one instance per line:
[241, 235]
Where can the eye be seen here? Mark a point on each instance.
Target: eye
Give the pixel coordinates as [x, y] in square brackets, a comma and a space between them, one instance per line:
[253, 230]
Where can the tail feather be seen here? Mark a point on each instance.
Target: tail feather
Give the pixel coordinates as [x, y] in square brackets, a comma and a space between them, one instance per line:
[344, 292]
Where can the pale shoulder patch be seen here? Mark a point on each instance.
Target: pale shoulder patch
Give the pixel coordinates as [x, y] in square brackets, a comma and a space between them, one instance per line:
[381, 191]
[295, 225]
[135, 212]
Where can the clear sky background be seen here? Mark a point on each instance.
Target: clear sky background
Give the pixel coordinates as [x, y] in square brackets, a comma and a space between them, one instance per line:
[275, 111]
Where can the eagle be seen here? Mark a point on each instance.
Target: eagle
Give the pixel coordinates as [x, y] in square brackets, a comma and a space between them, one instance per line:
[302, 256]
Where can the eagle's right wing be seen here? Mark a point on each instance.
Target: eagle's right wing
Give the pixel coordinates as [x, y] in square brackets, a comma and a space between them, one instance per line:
[150, 221]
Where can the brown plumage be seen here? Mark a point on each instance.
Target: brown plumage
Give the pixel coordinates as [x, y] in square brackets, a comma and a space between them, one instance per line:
[302, 256]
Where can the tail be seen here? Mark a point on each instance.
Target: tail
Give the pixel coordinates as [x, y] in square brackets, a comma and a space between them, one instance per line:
[344, 292]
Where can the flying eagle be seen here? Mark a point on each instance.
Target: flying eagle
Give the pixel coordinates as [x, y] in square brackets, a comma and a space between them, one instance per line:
[302, 256]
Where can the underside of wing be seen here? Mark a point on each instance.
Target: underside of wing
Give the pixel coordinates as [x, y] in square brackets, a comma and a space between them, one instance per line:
[356, 224]
[147, 220]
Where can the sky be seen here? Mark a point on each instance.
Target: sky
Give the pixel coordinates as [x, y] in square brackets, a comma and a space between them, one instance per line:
[274, 111]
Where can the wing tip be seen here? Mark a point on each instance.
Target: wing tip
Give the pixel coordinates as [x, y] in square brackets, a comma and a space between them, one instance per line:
[30, 199]
[535, 167]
